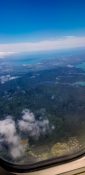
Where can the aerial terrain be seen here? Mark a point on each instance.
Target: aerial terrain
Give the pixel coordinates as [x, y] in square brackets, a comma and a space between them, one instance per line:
[42, 106]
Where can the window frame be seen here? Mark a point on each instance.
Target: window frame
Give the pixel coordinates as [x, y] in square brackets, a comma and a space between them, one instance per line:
[42, 165]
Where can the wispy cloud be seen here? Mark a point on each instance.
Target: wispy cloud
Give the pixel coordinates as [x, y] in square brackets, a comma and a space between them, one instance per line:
[46, 45]
[33, 127]
[5, 54]
[11, 132]
[10, 137]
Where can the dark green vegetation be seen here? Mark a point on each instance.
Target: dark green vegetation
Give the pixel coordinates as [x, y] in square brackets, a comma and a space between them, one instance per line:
[51, 94]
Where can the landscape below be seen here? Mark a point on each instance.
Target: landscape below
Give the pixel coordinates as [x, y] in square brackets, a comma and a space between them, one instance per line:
[42, 108]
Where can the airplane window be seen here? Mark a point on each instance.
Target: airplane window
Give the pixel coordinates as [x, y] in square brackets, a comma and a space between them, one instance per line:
[42, 80]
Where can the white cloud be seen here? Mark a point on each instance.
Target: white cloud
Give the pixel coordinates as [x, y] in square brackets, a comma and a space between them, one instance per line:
[57, 44]
[29, 125]
[10, 136]
[28, 116]
[5, 54]
[33, 127]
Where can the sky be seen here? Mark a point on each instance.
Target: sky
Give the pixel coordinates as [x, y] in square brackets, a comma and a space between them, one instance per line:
[32, 25]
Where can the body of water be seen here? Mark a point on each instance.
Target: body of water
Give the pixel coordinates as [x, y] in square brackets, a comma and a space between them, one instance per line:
[81, 66]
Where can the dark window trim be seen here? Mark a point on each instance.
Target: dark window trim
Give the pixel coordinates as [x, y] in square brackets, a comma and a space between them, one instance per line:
[42, 164]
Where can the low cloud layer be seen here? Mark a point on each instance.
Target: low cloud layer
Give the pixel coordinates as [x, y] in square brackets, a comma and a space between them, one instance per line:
[10, 137]
[6, 54]
[67, 42]
[33, 127]
[28, 124]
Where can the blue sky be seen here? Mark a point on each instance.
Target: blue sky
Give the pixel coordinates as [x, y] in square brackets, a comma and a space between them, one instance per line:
[36, 20]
